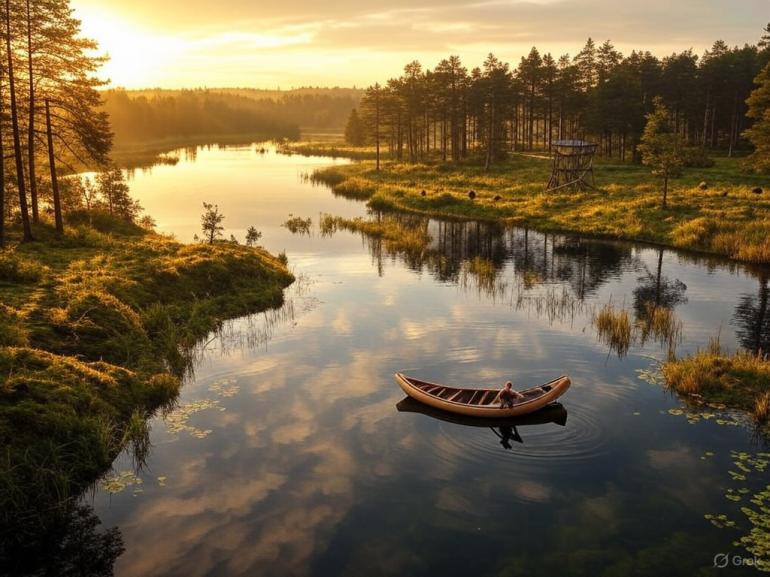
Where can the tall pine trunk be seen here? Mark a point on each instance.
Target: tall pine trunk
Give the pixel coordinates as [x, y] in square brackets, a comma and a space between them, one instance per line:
[15, 127]
[54, 179]
[490, 136]
[31, 124]
[377, 128]
[2, 167]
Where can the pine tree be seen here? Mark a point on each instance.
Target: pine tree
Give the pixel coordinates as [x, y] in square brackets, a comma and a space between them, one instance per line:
[371, 117]
[17, 150]
[2, 166]
[764, 41]
[211, 222]
[354, 130]
[759, 111]
[252, 236]
[64, 70]
[115, 192]
[586, 64]
[660, 146]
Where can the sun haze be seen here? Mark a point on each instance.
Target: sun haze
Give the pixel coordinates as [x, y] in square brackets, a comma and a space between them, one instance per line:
[189, 43]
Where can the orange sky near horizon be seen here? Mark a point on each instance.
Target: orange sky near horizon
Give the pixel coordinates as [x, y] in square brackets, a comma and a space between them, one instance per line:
[187, 44]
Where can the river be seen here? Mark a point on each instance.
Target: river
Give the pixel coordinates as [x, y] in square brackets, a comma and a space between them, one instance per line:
[287, 454]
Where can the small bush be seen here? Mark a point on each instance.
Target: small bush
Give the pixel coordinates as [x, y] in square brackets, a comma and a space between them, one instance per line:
[696, 157]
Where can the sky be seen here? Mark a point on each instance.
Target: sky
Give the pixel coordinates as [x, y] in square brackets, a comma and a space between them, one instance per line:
[293, 43]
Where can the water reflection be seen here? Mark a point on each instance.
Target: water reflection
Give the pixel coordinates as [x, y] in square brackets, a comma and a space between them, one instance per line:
[71, 544]
[505, 429]
[457, 250]
[752, 320]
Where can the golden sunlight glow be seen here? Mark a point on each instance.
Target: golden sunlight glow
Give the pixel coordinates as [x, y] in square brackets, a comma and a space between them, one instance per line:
[192, 43]
[137, 58]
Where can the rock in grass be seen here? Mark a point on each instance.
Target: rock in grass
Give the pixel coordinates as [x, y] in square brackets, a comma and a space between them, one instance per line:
[472, 194]
[757, 190]
[703, 185]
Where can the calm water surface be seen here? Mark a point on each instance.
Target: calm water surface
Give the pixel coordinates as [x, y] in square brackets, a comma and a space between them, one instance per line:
[288, 456]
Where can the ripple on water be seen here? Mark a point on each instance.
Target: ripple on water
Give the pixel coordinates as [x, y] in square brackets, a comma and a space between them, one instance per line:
[546, 445]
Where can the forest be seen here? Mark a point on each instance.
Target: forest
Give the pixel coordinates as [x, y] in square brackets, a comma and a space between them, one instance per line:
[147, 115]
[599, 94]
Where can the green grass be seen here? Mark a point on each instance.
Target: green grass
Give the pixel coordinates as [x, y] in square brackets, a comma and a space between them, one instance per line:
[740, 380]
[726, 218]
[96, 331]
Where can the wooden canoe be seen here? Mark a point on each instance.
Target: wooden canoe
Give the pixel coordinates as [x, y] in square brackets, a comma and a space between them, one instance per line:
[481, 402]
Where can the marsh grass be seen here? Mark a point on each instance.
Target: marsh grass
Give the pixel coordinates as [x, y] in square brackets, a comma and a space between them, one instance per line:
[660, 324]
[614, 328]
[331, 148]
[761, 410]
[739, 380]
[397, 236]
[481, 273]
[626, 204]
[298, 225]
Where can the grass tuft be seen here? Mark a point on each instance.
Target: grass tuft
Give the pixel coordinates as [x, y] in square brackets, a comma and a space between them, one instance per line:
[740, 380]
[614, 328]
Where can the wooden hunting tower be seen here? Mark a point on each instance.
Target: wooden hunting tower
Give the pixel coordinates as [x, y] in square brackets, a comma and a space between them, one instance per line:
[573, 165]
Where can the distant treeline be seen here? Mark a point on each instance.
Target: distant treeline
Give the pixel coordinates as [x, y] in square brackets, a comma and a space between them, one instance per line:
[599, 94]
[138, 116]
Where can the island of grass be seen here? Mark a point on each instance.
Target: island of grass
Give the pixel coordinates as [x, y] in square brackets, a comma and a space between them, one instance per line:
[718, 210]
[740, 380]
[96, 330]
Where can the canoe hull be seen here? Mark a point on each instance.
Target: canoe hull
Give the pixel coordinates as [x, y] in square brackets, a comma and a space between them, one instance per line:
[553, 413]
[556, 389]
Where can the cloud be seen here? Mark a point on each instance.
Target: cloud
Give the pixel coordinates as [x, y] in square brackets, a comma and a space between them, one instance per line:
[299, 42]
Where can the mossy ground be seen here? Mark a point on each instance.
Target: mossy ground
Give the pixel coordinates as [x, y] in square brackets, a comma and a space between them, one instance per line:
[725, 218]
[95, 331]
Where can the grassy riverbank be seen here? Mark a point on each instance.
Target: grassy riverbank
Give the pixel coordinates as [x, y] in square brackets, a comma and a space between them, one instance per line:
[725, 217]
[96, 330]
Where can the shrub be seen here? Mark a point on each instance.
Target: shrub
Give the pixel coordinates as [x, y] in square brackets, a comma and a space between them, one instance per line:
[696, 157]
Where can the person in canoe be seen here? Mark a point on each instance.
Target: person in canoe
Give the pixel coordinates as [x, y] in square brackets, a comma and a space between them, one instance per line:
[508, 396]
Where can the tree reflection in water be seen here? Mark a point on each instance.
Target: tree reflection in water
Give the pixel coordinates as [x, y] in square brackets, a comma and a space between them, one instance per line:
[66, 543]
[752, 320]
[496, 260]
